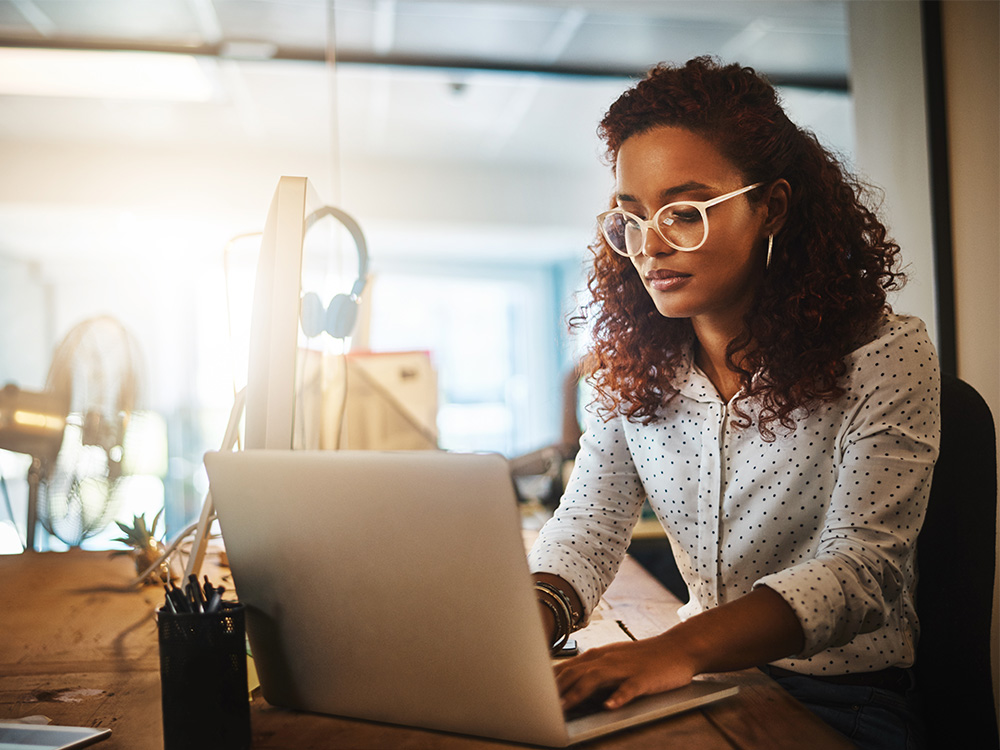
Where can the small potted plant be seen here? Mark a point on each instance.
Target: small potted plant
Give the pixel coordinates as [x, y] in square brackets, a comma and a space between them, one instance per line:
[144, 548]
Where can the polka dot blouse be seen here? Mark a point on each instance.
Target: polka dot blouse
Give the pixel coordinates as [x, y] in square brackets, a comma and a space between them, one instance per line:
[827, 515]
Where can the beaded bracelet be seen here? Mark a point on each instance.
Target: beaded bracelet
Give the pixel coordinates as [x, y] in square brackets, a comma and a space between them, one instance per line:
[562, 596]
[559, 604]
[562, 632]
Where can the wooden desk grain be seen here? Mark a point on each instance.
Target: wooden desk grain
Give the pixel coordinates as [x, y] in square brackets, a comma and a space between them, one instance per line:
[78, 648]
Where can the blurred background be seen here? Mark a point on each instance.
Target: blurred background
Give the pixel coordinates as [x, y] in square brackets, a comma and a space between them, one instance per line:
[141, 141]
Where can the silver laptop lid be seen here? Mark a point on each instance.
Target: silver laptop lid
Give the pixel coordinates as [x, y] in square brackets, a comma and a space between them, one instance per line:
[388, 586]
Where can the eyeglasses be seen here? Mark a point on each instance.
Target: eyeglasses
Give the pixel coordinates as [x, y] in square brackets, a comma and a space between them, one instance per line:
[682, 225]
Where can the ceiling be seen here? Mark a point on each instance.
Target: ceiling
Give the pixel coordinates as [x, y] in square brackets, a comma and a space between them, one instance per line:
[801, 40]
[352, 91]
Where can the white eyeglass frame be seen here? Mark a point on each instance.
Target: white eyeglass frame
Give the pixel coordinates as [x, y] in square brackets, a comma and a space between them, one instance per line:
[653, 223]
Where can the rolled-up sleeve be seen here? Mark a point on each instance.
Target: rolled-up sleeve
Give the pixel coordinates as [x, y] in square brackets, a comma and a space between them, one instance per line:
[860, 578]
[587, 537]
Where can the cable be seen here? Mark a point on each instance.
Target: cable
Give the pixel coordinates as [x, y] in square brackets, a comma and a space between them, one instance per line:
[207, 507]
[342, 416]
[331, 65]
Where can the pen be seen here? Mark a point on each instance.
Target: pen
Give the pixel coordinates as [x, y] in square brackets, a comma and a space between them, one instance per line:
[195, 594]
[170, 602]
[194, 598]
[625, 629]
[176, 602]
[216, 600]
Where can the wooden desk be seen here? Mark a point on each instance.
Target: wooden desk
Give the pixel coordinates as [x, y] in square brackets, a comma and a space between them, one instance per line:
[78, 649]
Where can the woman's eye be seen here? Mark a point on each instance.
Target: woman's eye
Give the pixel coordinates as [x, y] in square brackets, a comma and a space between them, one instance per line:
[680, 214]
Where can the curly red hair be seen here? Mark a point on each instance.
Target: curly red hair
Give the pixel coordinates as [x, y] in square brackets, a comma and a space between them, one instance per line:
[825, 289]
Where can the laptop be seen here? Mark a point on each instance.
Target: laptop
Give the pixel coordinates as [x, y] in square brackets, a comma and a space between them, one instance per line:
[394, 587]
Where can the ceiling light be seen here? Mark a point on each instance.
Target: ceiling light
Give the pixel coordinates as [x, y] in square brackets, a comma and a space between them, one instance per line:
[154, 76]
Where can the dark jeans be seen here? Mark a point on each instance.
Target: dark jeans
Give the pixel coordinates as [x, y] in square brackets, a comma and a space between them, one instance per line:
[872, 718]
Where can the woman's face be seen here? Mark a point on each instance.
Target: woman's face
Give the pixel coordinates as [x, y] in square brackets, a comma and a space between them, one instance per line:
[715, 283]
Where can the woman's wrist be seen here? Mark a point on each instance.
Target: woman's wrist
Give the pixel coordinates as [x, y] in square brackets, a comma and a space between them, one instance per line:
[560, 607]
[755, 629]
[689, 647]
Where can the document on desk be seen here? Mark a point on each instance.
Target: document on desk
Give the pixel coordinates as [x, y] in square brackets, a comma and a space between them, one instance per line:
[14, 736]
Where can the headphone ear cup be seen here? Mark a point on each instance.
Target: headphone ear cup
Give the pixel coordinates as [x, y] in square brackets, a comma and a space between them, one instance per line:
[341, 316]
[312, 314]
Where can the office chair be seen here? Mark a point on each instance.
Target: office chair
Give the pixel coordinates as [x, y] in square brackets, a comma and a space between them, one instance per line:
[955, 563]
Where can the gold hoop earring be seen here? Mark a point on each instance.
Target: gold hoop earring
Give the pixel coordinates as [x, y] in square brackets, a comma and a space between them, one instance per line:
[770, 245]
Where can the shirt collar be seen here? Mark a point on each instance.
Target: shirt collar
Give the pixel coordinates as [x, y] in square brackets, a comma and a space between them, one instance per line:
[692, 383]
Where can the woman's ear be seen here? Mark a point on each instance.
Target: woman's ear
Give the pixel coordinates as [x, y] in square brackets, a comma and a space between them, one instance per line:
[776, 205]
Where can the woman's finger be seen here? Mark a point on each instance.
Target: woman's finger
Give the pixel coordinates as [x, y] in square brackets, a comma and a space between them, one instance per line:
[581, 681]
[587, 687]
[625, 693]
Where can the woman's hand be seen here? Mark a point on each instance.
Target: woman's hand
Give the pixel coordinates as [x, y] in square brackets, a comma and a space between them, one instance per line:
[628, 670]
[755, 629]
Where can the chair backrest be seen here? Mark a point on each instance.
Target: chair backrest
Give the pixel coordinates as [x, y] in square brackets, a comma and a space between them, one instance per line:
[955, 562]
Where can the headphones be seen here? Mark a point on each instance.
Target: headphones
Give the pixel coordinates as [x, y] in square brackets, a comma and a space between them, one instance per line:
[337, 318]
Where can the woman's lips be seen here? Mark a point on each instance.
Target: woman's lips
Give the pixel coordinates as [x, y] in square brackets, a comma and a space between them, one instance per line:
[665, 280]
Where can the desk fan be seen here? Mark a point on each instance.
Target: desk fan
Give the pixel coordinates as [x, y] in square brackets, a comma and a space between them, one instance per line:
[74, 430]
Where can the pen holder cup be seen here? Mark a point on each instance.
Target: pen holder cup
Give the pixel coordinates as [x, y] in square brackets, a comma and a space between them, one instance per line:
[203, 679]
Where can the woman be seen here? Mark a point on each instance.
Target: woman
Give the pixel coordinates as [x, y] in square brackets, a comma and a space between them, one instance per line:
[754, 386]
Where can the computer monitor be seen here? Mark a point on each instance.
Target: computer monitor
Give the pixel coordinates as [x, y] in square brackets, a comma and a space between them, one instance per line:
[268, 402]
[270, 390]
[276, 371]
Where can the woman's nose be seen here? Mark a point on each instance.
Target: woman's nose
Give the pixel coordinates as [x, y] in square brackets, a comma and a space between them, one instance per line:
[655, 245]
